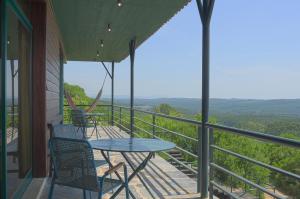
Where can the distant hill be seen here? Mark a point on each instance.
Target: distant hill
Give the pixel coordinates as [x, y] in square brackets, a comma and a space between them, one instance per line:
[279, 107]
[267, 116]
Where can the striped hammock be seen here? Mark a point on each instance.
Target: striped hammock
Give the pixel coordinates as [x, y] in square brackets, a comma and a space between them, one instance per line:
[92, 106]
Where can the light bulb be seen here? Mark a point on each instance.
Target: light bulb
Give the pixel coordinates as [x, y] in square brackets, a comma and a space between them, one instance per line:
[119, 3]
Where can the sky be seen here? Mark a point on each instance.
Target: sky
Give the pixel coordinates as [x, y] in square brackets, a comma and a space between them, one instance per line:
[255, 54]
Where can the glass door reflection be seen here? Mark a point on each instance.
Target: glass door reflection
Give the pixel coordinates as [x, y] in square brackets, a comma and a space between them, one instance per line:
[18, 129]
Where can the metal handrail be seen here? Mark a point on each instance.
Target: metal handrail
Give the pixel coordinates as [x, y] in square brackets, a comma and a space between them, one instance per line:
[170, 131]
[195, 122]
[224, 190]
[295, 176]
[246, 181]
[177, 147]
[177, 161]
[224, 129]
[257, 135]
[67, 105]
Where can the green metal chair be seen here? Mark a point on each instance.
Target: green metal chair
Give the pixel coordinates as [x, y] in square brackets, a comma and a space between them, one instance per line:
[74, 166]
[63, 130]
[80, 120]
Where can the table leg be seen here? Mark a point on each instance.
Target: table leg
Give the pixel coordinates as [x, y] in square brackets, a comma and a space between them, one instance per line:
[117, 174]
[135, 173]
[94, 122]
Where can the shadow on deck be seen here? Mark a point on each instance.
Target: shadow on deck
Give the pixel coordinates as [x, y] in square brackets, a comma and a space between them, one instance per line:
[163, 179]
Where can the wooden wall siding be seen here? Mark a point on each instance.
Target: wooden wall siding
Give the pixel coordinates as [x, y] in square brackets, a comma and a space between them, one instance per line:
[52, 68]
[52, 71]
[39, 140]
[46, 70]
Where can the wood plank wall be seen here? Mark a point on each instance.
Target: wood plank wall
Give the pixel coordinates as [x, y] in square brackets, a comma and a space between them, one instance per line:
[52, 68]
[39, 141]
[46, 75]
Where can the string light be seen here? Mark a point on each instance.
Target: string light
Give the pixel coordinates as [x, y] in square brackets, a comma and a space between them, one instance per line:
[101, 44]
[119, 3]
[98, 53]
[108, 28]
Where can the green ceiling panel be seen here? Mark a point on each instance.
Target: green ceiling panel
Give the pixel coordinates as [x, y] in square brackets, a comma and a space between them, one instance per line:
[83, 24]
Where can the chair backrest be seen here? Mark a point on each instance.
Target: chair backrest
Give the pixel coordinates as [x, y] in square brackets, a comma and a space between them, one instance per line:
[64, 131]
[78, 118]
[74, 165]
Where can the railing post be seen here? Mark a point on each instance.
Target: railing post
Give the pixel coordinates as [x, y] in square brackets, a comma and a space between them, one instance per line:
[153, 125]
[199, 159]
[120, 117]
[211, 159]
[108, 118]
[204, 170]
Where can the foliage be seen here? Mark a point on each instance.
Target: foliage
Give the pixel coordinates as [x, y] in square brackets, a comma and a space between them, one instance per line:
[280, 156]
[183, 134]
[78, 94]
[80, 98]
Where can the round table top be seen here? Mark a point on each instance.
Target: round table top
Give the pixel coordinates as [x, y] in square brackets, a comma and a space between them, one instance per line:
[132, 145]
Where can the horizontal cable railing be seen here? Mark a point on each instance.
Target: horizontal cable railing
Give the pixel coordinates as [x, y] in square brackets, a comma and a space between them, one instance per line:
[257, 135]
[167, 130]
[292, 175]
[151, 124]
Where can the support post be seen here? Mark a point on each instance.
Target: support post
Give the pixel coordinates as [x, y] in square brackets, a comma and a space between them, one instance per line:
[39, 133]
[199, 150]
[112, 91]
[132, 54]
[205, 109]
[153, 125]
[12, 69]
[211, 159]
[120, 116]
[3, 32]
[205, 8]
[61, 83]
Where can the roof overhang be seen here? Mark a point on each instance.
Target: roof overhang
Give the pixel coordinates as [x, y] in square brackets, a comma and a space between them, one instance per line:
[84, 23]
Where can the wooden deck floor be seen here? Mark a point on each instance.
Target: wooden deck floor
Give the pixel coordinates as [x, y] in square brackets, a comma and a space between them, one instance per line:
[163, 179]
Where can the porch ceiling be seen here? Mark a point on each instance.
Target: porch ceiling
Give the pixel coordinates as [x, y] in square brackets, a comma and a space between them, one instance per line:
[84, 23]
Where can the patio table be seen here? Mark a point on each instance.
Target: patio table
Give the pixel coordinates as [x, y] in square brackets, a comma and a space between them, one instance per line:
[132, 145]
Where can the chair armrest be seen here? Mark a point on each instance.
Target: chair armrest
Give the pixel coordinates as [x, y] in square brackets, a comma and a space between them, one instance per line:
[114, 168]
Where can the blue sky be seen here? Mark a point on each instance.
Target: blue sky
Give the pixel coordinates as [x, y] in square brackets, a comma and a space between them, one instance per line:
[255, 53]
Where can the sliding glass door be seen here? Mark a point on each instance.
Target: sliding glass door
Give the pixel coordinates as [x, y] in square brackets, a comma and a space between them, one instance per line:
[16, 138]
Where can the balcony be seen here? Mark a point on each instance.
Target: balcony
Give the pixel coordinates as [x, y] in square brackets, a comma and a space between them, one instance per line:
[163, 179]
[175, 174]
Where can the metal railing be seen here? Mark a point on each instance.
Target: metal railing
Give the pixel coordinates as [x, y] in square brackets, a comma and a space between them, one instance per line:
[148, 124]
[257, 136]
[154, 131]
[105, 119]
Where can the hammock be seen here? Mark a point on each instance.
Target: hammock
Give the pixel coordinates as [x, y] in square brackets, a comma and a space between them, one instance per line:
[92, 106]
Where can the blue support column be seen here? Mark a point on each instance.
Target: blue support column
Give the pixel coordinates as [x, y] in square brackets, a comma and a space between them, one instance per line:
[112, 91]
[3, 32]
[132, 54]
[205, 8]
